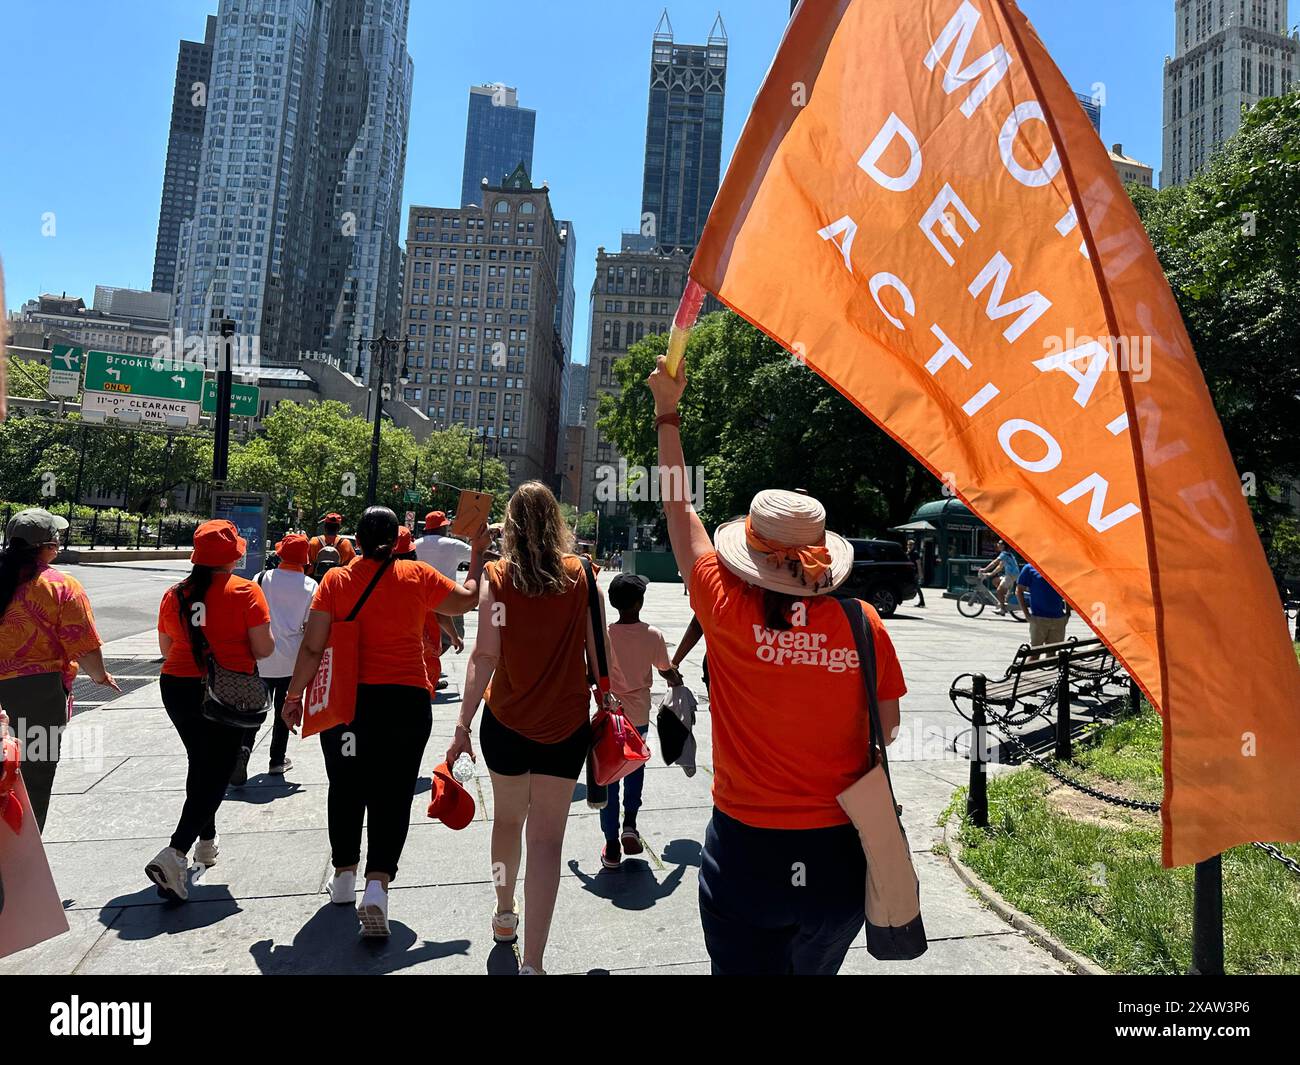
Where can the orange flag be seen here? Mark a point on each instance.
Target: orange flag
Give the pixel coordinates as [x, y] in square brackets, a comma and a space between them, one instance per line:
[920, 209]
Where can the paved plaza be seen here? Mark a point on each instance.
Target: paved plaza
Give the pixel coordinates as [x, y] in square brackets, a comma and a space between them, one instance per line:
[262, 910]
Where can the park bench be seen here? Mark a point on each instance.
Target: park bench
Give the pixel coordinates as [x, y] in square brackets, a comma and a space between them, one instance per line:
[1063, 674]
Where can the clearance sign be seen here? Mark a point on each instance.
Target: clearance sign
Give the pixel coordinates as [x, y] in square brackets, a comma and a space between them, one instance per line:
[919, 208]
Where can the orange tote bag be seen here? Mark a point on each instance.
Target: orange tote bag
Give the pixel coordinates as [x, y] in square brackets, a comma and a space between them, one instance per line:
[331, 698]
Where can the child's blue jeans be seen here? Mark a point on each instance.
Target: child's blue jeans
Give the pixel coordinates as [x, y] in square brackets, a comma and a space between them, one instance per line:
[632, 788]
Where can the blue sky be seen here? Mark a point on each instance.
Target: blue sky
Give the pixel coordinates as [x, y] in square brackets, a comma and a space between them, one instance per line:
[87, 86]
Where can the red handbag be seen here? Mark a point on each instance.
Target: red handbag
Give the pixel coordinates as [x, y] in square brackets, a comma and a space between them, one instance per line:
[617, 749]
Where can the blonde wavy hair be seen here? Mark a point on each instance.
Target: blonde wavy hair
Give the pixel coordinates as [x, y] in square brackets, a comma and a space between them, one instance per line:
[536, 541]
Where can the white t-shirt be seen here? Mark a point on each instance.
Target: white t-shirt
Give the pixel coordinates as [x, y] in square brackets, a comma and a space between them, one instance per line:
[443, 553]
[288, 594]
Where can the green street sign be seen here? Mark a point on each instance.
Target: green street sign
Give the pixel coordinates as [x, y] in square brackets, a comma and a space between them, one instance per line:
[244, 399]
[143, 375]
[412, 495]
[65, 370]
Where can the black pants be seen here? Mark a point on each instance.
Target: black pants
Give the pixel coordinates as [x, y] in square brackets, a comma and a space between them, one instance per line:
[212, 750]
[279, 730]
[37, 706]
[780, 902]
[373, 765]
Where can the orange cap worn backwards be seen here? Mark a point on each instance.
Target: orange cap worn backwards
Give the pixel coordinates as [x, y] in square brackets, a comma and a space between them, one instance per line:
[452, 804]
[217, 543]
[435, 521]
[293, 550]
[404, 545]
[332, 519]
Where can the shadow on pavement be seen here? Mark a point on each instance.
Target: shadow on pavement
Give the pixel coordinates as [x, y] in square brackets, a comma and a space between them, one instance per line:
[262, 790]
[632, 887]
[330, 944]
[146, 915]
[684, 852]
[503, 961]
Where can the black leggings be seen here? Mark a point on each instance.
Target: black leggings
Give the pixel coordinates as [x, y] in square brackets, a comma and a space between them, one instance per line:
[279, 688]
[373, 765]
[212, 750]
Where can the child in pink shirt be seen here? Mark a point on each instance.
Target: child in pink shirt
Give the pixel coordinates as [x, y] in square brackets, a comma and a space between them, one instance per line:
[639, 649]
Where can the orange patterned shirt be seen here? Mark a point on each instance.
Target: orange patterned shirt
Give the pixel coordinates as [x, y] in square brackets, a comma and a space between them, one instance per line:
[47, 627]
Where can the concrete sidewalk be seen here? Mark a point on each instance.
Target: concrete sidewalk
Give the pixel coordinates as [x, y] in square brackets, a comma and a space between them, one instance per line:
[261, 909]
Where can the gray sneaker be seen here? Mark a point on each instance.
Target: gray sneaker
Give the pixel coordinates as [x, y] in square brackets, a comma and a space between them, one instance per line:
[205, 853]
[171, 872]
[278, 769]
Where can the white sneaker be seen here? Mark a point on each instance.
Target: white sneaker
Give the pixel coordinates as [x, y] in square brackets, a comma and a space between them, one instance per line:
[207, 850]
[373, 911]
[343, 888]
[171, 872]
[505, 926]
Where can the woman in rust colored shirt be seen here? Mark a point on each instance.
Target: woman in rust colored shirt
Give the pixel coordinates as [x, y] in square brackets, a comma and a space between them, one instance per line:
[530, 662]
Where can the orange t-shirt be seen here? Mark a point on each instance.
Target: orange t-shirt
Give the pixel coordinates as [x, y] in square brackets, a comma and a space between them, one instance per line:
[231, 607]
[790, 715]
[539, 688]
[344, 547]
[391, 623]
[47, 626]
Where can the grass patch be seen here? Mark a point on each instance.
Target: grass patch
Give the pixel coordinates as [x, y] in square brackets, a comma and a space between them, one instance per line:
[1100, 888]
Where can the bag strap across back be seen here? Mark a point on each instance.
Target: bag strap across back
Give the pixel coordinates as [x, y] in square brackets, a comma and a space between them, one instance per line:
[366, 594]
[867, 662]
[597, 627]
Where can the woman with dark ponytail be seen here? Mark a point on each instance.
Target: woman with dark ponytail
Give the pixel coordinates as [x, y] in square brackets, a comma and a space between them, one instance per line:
[373, 762]
[47, 627]
[210, 614]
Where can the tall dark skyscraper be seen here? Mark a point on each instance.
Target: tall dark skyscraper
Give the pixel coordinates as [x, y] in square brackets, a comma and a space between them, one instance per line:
[683, 149]
[184, 147]
[498, 137]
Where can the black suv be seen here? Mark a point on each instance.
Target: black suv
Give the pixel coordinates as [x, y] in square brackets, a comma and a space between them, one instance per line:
[882, 576]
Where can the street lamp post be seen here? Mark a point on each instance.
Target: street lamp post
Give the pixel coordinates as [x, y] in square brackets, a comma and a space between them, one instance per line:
[382, 348]
[221, 420]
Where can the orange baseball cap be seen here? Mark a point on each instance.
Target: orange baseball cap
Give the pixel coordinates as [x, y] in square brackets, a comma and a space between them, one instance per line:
[217, 543]
[332, 519]
[436, 520]
[404, 546]
[452, 804]
[293, 550]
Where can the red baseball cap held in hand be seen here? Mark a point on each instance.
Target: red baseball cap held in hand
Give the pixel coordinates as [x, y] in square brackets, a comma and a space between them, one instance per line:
[435, 521]
[293, 550]
[452, 804]
[217, 543]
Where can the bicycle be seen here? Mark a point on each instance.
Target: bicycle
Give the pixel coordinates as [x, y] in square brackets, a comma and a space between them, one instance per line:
[980, 595]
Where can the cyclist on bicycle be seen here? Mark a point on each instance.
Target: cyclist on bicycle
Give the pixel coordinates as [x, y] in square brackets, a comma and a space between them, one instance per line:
[1007, 568]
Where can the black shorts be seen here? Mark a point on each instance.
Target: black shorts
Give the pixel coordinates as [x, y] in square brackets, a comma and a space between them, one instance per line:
[508, 754]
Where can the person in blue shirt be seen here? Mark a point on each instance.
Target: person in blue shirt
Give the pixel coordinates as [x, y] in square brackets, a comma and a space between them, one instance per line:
[1047, 611]
[1007, 568]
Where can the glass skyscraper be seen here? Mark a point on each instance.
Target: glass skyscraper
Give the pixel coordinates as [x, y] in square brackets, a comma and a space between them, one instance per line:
[184, 148]
[498, 137]
[297, 219]
[683, 152]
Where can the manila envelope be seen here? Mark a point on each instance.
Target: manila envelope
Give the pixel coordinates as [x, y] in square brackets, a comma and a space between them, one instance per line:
[472, 513]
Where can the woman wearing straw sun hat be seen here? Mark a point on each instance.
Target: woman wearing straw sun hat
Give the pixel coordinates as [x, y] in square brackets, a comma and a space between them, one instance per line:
[783, 871]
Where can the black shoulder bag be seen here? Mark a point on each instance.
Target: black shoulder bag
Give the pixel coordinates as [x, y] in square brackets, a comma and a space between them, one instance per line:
[237, 700]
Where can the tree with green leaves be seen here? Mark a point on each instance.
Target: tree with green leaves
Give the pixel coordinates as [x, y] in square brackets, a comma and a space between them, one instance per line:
[1229, 241]
[315, 458]
[754, 417]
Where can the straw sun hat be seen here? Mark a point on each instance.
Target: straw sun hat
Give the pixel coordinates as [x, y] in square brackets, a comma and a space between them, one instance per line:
[783, 546]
